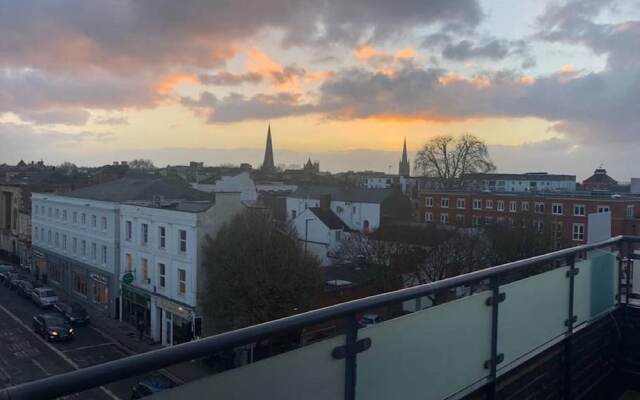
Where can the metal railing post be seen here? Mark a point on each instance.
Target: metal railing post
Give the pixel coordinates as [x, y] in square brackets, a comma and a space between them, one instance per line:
[492, 363]
[571, 320]
[351, 358]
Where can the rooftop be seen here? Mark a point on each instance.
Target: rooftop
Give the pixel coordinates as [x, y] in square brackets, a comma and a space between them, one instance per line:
[329, 218]
[596, 194]
[355, 195]
[140, 187]
[545, 176]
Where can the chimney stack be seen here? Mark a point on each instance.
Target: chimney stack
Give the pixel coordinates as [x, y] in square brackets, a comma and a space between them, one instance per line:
[325, 202]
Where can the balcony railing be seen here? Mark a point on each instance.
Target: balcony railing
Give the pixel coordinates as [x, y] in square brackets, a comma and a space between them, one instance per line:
[445, 351]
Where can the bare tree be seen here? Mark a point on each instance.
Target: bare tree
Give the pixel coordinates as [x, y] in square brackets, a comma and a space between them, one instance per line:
[141, 163]
[449, 159]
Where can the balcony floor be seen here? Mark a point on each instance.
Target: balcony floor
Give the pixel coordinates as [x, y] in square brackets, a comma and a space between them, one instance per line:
[630, 395]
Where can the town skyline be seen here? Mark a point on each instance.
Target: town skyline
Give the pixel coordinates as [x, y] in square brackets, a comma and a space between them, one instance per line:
[521, 77]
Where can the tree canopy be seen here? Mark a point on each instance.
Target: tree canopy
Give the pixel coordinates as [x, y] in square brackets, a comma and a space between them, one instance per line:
[257, 272]
[450, 159]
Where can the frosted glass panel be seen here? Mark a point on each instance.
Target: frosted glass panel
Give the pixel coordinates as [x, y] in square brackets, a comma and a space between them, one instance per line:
[429, 354]
[534, 312]
[306, 373]
[596, 285]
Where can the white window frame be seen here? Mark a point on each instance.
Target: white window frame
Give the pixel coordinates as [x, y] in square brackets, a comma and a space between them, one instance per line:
[428, 202]
[513, 206]
[461, 204]
[128, 230]
[444, 202]
[444, 218]
[488, 204]
[182, 283]
[162, 275]
[578, 232]
[603, 208]
[162, 237]
[428, 216]
[557, 208]
[477, 204]
[500, 205]
[525, 206]
[182, 243]
[577, 207]
[537, 205]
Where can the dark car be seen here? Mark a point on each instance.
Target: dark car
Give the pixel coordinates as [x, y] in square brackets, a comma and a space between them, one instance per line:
[13, 280]
[72, 312]
[52, 327]
[150, 385]
[4, 277]
[24, 289]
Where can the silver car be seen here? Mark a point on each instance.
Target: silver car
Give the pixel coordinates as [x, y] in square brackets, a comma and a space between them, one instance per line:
[44, 297]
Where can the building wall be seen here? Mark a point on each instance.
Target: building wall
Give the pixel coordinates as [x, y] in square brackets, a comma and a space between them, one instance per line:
[241, 183]
[356, 215]
[621, 222]
[11, 202]
[524, 183]
[316, 237]
[58, 223]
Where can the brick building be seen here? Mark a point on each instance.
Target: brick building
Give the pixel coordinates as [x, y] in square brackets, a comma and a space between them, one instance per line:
[568, 211]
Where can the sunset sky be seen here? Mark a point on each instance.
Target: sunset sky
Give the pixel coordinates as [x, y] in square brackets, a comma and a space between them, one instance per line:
[548, 85]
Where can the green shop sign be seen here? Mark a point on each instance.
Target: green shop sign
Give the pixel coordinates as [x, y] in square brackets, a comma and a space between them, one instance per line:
[127, 278]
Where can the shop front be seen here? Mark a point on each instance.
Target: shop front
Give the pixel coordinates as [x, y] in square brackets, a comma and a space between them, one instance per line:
[175, 322]
[136, 307]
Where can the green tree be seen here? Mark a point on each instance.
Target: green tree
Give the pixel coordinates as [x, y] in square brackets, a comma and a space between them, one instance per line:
[450, 159]
[257, 272]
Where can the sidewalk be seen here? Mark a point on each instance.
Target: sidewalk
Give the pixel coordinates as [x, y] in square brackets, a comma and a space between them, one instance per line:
[127, 337]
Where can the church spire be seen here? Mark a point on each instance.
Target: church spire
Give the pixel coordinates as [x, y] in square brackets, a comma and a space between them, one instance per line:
[268, 164]
[404, 169]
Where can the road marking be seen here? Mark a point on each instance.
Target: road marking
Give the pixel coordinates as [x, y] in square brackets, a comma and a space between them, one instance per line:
[55, 350]
[37, 364]
[88, 347]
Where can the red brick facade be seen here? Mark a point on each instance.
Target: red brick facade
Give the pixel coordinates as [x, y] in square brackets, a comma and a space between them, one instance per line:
[570, 211]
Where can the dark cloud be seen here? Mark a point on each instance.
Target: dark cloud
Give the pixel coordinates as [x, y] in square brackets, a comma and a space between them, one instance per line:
[465, 49]
[229, 79]
[487, 48]
[49, 117]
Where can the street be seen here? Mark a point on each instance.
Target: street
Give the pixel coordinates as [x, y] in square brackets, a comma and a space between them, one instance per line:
[25, 356]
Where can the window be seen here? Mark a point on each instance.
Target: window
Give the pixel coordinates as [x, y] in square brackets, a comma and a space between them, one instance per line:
[49, 212]
[127, 230]
[74, 245]
[338, 236]
[103, 223]
[79, 283]
[145, 269]
[500, 205]
[49, 236]
[513, 206]
[460, 219]
[83, 219]
[525, 206]
[603, 209]
[539, 208]
[428, 217]
[428, 202]
[630, 211]
[94, 251]
[475, 220]
[64, 215]
[444, 218]
[83, 248]
[145, 233]
[57, 239]
[539, 225]
[444, 202]
[64, 242]
[75, 217]
[104, 255]
[162, 274]
[557, 209]
[182, 282]
[477, 204]
[578, 232]
[293, 214]
[128, 262]
[57, 213]
[183, 240]
[460, 203]
[36, 232]
[162, 237]
[489, 203]
[94, 221]
[579, 210]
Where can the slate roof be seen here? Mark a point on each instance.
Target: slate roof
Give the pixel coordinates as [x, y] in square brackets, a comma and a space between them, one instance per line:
[329, 218]
[342, 194]
[140, 187]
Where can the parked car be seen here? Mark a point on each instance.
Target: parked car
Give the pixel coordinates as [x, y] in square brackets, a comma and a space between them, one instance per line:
[4, 276]
[13, 280]
[44, 297]
[369, 319]
[72, 312]
[24, 289]
[52, 327]
[150, 385]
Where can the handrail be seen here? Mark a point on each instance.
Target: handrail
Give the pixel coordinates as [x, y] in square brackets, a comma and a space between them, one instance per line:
[94, 376]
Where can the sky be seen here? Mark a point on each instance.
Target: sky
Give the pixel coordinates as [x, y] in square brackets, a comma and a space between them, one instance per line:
[548, 85]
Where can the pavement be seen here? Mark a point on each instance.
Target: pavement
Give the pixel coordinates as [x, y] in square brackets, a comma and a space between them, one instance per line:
[26, 356]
